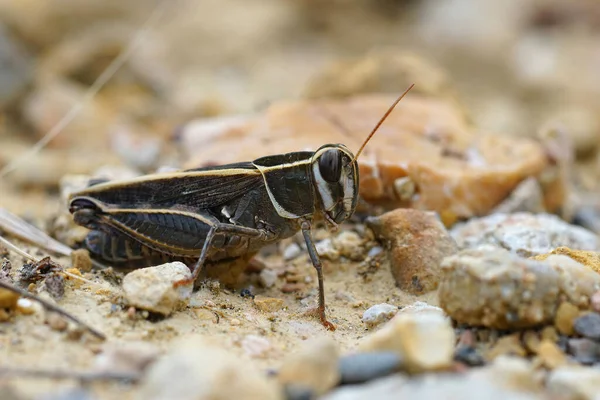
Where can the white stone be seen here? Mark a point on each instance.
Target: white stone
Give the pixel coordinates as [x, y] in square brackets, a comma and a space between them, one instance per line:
[153, 288]
[379, 314]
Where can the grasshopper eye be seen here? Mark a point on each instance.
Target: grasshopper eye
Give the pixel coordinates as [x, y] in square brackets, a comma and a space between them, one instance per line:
[330, 165]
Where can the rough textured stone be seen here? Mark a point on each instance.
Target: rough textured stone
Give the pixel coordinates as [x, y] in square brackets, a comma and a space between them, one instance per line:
[456, 170]
[195, 369]
[315, 366]
[152, 288]
[417, 242]
[493, 287]
[425, 341]
[524, 233]
[379, 314]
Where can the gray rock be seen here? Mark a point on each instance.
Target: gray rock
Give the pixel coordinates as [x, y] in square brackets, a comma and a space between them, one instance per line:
[153, 288]
[588, 325]
[583, 350]
[524, 233]
[364, 367]
[378, 314]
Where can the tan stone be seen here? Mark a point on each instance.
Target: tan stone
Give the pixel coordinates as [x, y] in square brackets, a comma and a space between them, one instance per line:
[268, 304]
[424, 340]
[550, 355]
[315, 366]
[456, 170]
[8, 299]
[566, 315]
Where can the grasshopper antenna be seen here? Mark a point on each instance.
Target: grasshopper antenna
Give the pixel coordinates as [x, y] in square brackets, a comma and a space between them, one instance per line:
[104, 77]
[388, 112]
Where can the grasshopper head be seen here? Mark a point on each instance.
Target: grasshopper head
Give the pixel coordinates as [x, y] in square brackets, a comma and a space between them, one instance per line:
[335, 176]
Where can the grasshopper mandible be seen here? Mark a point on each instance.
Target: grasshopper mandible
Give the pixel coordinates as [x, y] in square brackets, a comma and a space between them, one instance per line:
[222, 213]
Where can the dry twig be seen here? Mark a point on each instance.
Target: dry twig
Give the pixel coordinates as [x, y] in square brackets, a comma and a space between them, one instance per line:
[52, 307]
[84, 376]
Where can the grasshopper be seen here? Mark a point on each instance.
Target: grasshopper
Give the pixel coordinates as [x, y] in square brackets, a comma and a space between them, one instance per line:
[219, 214]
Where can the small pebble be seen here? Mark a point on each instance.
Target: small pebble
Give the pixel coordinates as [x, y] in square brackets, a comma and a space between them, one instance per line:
[507, 345]
[326, 249]
[80, 258]
[205, 315]
[595, 301]
[566, 315]
[551, 355]
[292, 251]
[363, 367]
[349, 244]
[26, 306]
[8, 298]
[268, 304]
[267, 277]
[152, 288]
[469, 355]
[379, 314]
[588, 325]
[585, 351]
[256, 346]
[314, 366]
[375, 251]
[56, 322]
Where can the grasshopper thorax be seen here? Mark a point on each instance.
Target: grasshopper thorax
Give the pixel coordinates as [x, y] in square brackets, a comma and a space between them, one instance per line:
[335, 176]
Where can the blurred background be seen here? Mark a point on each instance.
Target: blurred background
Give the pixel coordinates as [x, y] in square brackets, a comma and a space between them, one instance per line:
[515, 66]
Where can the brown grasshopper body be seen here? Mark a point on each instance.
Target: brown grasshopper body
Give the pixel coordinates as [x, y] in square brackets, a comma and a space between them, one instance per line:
[221, 214]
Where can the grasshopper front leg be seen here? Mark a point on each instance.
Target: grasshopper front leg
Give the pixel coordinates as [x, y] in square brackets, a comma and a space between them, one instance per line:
[316, 261]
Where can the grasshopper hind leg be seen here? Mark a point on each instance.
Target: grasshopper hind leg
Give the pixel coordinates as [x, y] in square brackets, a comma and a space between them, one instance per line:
[316, 261]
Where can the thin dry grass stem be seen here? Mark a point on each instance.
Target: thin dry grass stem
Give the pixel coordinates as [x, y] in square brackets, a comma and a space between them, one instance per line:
[17, 227]
[52, 307]
[83, 376]
[104, 77]
[24, 254]
[17, 250]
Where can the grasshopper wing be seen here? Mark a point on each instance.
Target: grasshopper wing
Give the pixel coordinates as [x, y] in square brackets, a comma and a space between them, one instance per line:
[197, 188]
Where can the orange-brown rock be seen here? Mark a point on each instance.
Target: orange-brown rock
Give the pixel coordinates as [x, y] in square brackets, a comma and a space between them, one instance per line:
[417, 242]
[425, 155]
